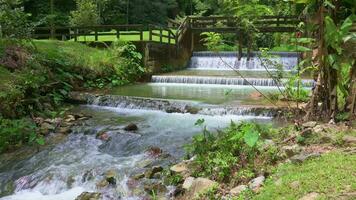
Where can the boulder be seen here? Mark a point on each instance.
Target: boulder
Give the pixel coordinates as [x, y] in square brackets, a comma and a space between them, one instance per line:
[70, 118]
[199, 185]
[46, 128]
[64, 130]
[188, 182]
[89, 196]
[151, 172]
[138, 176]
[131, 127]
[156, 187]
[236, 191]
[102, 184]
[310, 196]
[154, 151]
[289, 151]
[318, 129]
[256, 183]
[310, 124]
[110, 176]
[303, 156]
[180, 168]
[349, 140]
[103, 136]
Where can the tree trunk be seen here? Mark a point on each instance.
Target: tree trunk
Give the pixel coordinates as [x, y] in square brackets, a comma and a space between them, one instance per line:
[351, 99]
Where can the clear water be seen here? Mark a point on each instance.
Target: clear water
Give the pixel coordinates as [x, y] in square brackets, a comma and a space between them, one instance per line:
[57, 172]
[60, 170]
[209, 94]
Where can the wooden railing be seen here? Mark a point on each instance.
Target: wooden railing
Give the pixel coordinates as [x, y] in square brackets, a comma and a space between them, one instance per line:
[173, 35]
[155, 33]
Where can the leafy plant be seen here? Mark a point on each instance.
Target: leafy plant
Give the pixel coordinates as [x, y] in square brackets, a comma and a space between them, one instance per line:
[218, 155]
[18, 132]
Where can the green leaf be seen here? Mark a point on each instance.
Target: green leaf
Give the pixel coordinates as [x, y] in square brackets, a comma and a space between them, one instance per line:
[199, 122]
[346, 26]
[40, 141]
[251, 137]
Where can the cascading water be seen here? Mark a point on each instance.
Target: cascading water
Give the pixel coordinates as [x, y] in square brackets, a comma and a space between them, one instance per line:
[226, 60]
[253, 70]
[78, 163]
[225, 80]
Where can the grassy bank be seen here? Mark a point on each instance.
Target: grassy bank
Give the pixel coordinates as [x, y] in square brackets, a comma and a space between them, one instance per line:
[331, 176]
[36, 77]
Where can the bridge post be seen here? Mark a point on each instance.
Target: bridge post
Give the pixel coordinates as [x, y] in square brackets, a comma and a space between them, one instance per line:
[192, 42]
[96, 34]
[150, 32]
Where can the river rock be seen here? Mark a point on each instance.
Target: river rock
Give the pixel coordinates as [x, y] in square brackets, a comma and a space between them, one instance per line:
[131, 127]
[46, 128]
[303, 156]
[103, 136]
[151, 172]
[154, 151]
[102, 184]
[180, 168]
[138, 176]
[64, 130]
[110, 176]
[289, 151]
[310, 124]
[199, 185]
[156, 187]
[69, 118]
[188, 182]
[349, 140]
[236, 191]
[256, 183]
[310, 196]
[318, 129]
[89, 196]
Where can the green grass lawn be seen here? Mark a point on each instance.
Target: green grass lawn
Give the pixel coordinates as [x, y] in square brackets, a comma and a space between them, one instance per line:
[330, 175]
[108, 38]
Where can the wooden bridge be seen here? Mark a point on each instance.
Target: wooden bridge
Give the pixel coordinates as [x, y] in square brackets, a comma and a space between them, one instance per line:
[178, 39]
[171, 34]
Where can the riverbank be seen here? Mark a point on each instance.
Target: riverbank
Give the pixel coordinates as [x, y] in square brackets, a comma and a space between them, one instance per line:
[308, 161]
[37, 76]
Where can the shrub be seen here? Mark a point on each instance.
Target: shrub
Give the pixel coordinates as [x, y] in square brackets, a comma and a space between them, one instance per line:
[17, 132]
[220, 155]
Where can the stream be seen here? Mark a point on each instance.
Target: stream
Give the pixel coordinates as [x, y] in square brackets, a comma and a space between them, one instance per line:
[77, 163]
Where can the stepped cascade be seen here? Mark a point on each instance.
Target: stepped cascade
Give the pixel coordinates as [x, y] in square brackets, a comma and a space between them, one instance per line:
[203, 64]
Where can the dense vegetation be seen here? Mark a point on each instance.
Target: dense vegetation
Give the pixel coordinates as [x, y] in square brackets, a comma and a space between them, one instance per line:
[37, 76]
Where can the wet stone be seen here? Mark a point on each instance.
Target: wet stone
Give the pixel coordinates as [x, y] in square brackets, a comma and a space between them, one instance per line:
[131, 127]
[89, 196]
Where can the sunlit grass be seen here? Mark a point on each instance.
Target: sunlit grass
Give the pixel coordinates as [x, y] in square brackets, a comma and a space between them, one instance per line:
[330, 176]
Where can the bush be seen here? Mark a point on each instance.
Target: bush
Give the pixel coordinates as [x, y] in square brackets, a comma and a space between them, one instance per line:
[14, 133]
[228, 152]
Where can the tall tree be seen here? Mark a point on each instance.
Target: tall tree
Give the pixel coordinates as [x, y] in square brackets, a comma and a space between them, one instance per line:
[86, 13]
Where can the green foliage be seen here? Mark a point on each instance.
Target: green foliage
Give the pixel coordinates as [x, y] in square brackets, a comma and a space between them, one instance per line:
[13, 21]
[295, 91]
[234, 149]
[55, 68]
[86, 13]
[15, 133]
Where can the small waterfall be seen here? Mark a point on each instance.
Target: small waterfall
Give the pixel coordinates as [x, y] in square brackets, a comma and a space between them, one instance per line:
[223, 80]
[226, 60]
[169, 106]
